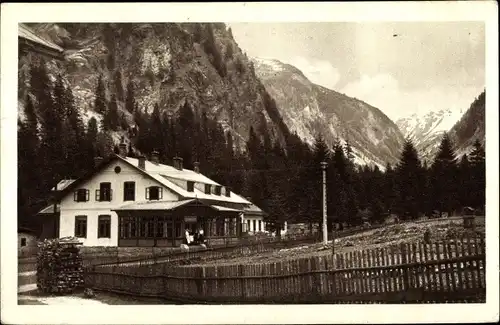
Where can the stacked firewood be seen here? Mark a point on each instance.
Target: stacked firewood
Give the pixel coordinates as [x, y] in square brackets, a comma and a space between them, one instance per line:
[59, 266]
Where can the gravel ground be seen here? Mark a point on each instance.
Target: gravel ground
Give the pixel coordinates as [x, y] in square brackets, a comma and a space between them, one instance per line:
[441, 229]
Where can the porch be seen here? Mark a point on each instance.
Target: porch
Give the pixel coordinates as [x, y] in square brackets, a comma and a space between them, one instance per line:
[163, 224]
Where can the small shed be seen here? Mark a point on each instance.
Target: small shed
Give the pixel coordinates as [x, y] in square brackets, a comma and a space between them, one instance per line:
[26, 241]
[468, 217]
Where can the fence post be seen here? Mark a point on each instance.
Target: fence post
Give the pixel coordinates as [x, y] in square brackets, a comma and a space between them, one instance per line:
[241, 273]
[404, 255]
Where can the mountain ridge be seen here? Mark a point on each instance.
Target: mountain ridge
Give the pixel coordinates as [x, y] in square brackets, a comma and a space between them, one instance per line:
[309, 109]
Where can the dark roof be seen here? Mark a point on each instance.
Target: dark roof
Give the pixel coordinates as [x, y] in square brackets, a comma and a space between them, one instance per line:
[25, 229]
[35, 43]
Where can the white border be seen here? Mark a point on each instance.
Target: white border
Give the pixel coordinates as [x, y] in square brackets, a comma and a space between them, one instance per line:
[12, 14]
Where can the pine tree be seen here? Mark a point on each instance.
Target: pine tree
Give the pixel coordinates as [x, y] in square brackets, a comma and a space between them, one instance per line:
[119, 86]
[443, 177]
[110, 120]
[464, 181]
[100, 105]
[478, 182]
[28, 168]
[91, 138]
[130, 103]
[408, 173]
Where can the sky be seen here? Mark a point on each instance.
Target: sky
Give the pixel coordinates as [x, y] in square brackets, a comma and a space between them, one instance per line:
[402, 68]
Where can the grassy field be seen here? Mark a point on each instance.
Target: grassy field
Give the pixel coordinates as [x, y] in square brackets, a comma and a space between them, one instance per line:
[440, 229]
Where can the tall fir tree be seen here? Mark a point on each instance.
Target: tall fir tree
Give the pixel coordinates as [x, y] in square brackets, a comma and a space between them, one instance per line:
[408, 182]
[443, 172]
[478, 182]
[130, 103]
[100, 105]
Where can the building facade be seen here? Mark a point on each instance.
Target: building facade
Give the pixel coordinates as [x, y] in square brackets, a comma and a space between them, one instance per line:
[136, 202]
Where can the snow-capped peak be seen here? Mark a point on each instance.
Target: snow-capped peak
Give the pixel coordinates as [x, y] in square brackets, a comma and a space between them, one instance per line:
[272, 64]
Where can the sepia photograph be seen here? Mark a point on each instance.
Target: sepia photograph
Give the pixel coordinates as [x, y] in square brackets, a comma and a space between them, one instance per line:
[238, 162]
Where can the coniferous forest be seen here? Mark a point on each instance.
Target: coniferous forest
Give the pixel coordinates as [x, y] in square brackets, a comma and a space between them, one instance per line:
[283, 178]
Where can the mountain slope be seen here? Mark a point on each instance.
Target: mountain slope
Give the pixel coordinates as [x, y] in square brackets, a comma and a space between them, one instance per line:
[471, 126]
[167, 64]
[309, 109]
[427, 131]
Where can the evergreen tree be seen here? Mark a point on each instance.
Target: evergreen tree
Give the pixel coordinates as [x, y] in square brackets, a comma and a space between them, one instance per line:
[130, 103]
[92, 132]
[110, 120]
[478, 175]
[119, 86]
[28, 168]
[100, 105]
[408, 173]
[443, 177]
[464, 181]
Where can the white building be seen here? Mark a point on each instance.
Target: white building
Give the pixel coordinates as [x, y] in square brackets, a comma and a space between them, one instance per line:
[135, 202]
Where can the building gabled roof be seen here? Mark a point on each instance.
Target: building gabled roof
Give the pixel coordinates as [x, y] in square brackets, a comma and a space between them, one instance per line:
[253, 209]
[26, 230]
[164, 175]
[63, 184]
[25, 33]
[49, 209]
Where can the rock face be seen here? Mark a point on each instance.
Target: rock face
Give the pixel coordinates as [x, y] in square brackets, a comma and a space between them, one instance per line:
[308, 109]
[427, 131]
[471, 126]
[167, 64]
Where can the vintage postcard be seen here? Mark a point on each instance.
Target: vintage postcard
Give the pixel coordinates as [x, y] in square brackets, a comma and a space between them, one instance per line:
[203, 163]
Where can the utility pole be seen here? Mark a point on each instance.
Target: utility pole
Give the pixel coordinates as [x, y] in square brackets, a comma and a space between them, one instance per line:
[325, 230]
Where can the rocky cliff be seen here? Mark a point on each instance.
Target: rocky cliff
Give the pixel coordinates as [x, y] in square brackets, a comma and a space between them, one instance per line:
[309, 109]
[167, 64]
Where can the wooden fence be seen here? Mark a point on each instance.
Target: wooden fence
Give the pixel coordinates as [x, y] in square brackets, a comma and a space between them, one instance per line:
[451, 271]
[243, 247]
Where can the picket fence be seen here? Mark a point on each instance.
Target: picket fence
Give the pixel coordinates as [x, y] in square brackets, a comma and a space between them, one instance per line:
[448, 271]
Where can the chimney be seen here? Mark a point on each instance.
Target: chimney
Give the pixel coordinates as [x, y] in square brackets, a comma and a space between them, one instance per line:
[178, 163]
[97, 161]
[196, 165]
[123, 149]
[155, 157]
[142, 162]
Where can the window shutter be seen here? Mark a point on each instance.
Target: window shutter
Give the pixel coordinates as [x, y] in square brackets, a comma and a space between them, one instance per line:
[97, 198]
[75, 196]
[110, 194]
[160, 193]
[147, 193]
[87, 195]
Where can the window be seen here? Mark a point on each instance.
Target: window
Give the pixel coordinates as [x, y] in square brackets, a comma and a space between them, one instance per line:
[190, 186]
[104, 226]
[81, 195]
[255, 225]
[228, 191]
[104, 192]
[208, 189]
[218, 190]
[160, 230]
[178, 230]
[248, 225]
[219, 227]
[127, 227]
[81, 226]
[23, 241]
[260, 225]
[154, 193]
[170, 229]
[129, 191]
